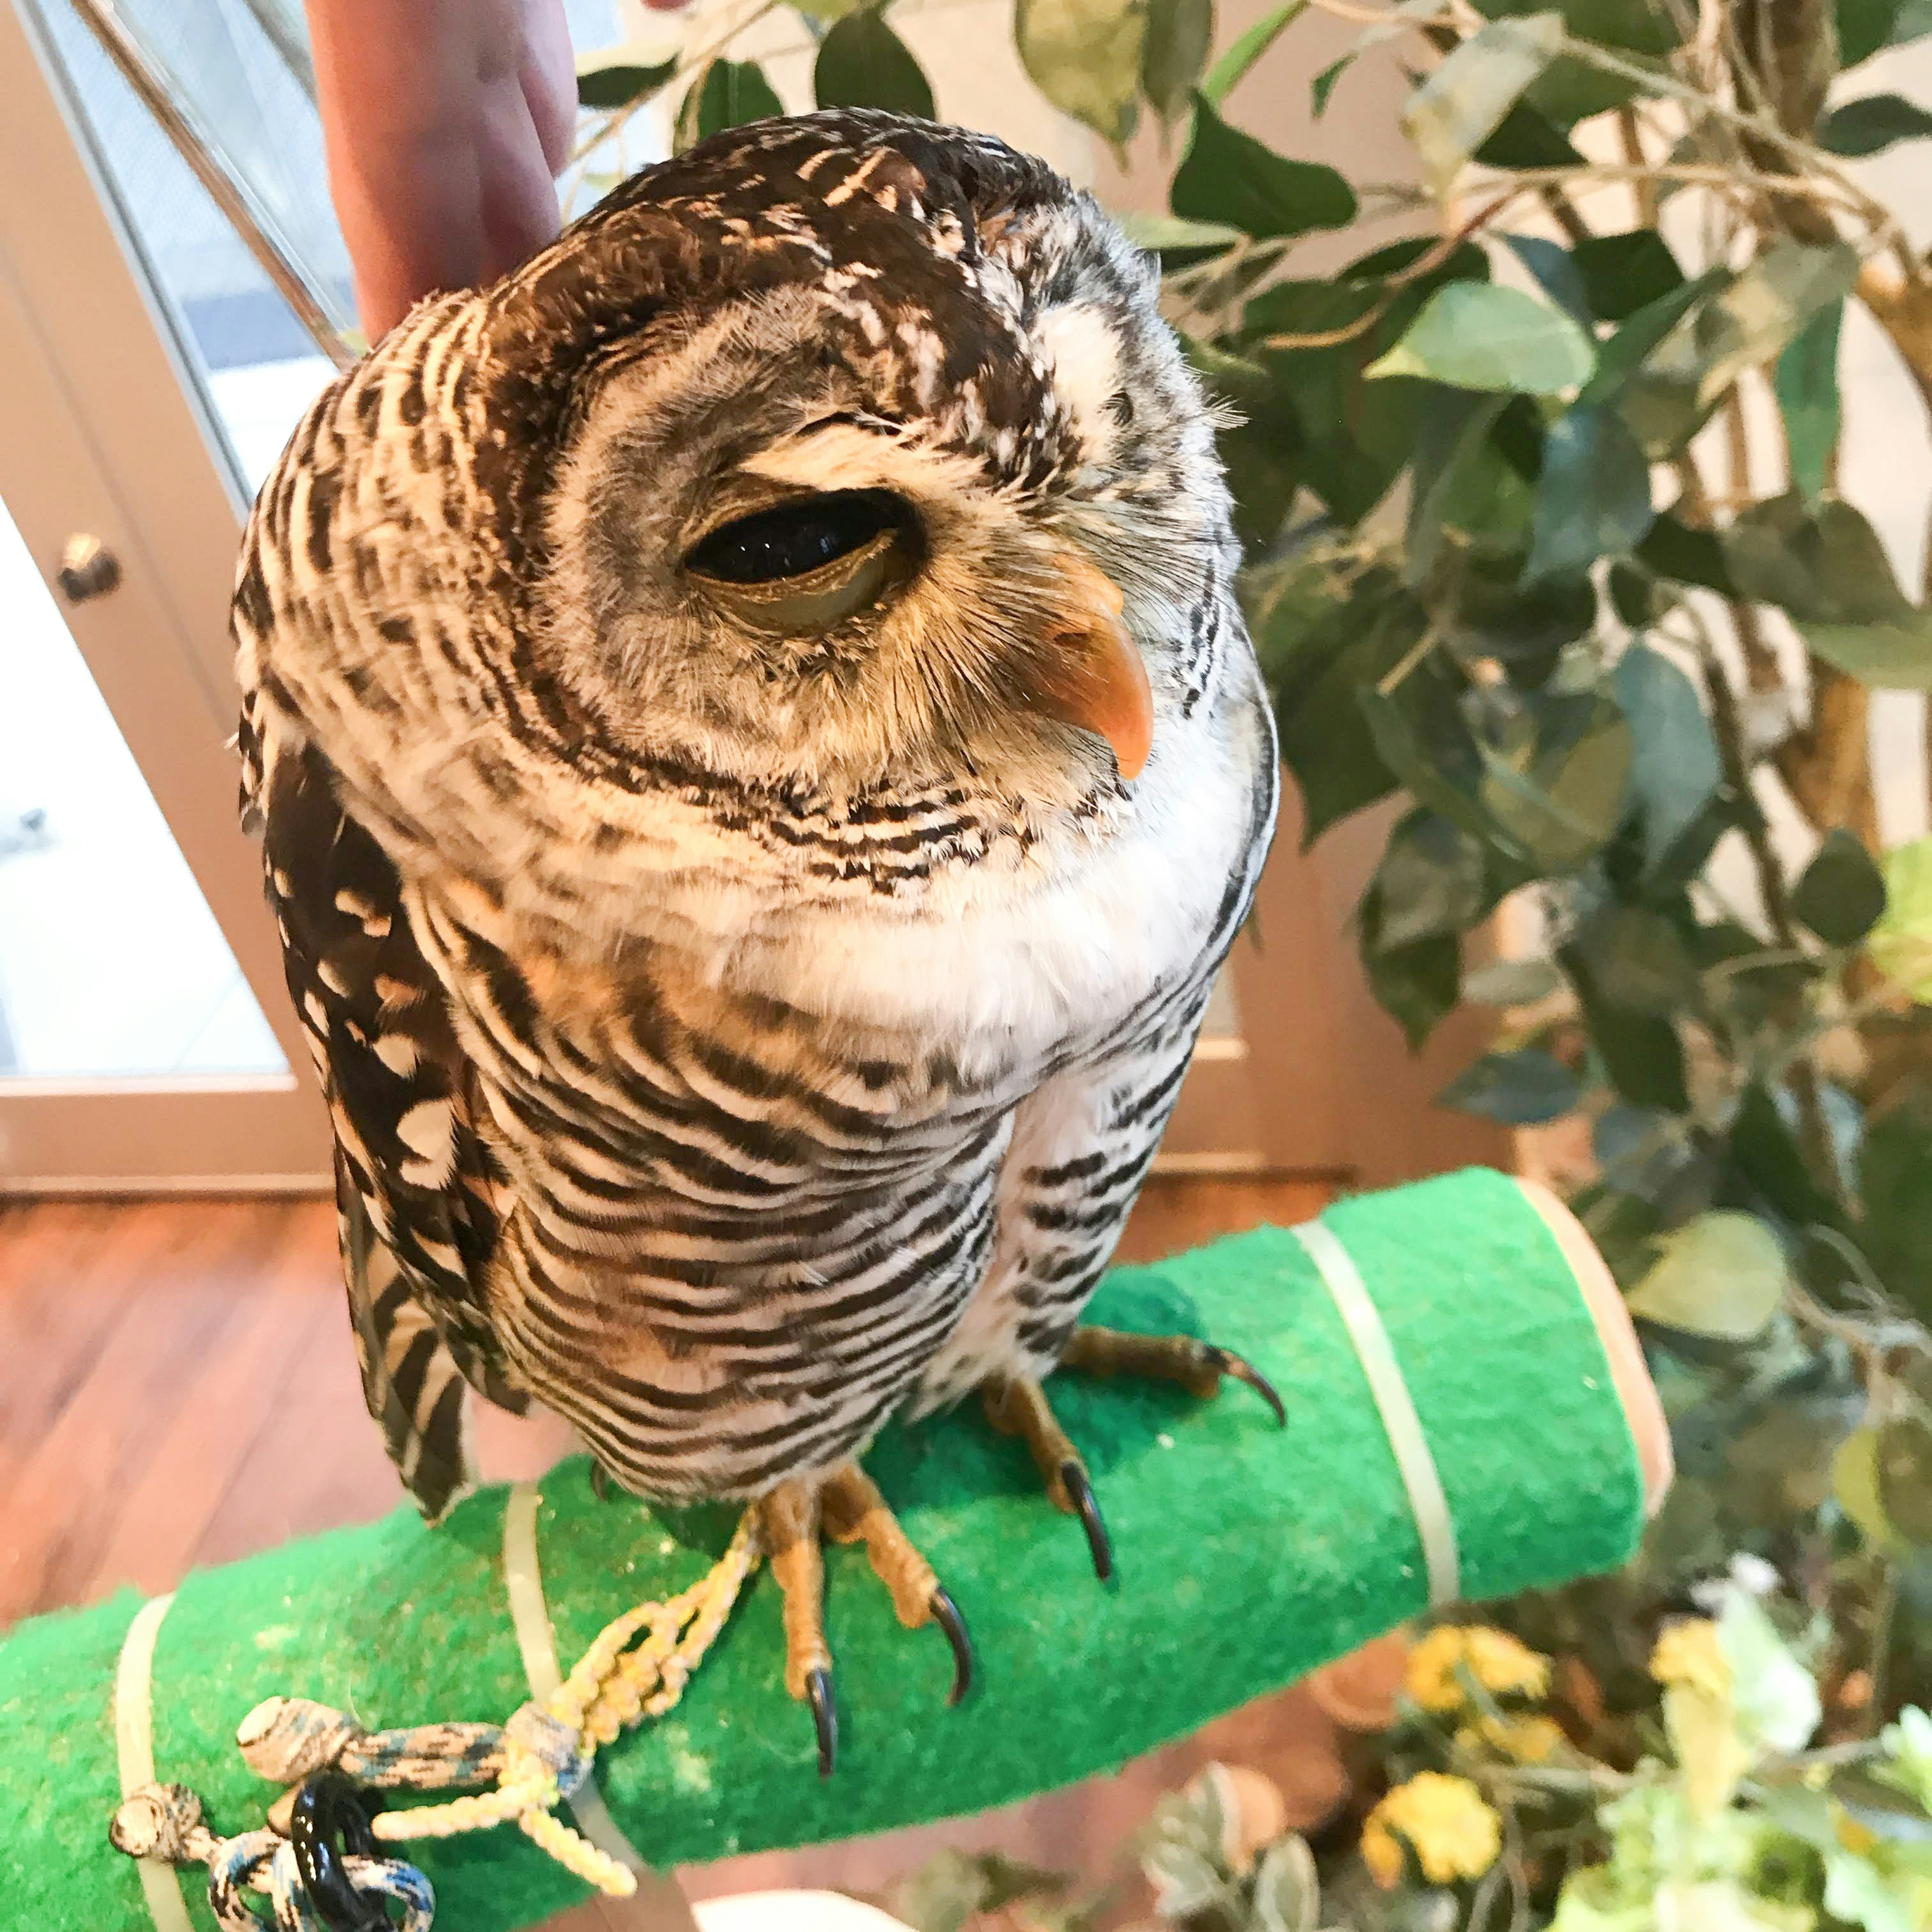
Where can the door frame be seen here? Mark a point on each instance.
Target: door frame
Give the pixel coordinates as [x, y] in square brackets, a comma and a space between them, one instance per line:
[103, 429]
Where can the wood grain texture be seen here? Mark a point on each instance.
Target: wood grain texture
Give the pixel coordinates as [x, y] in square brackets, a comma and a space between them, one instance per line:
[178, 1388]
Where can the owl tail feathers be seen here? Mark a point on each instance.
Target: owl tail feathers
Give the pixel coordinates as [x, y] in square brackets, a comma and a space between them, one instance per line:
[411, 1382]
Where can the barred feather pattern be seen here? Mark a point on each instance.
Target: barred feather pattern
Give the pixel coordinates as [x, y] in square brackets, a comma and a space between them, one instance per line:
[728, 1110]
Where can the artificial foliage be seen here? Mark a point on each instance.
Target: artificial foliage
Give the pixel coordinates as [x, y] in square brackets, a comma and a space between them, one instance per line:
[1548, 564]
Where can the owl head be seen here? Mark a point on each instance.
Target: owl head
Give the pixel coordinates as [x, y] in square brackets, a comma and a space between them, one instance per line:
[849, 449]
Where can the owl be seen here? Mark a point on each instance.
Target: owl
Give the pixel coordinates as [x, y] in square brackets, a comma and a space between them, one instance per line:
[758, 762]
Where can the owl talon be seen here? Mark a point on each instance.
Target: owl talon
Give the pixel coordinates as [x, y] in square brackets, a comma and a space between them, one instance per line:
[1080, 1495]
[824, 1718]
[1243, 1370]
[846, 1507]
[945, 1614]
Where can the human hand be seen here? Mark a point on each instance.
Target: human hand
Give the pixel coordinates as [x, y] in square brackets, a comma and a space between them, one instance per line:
[446, 122]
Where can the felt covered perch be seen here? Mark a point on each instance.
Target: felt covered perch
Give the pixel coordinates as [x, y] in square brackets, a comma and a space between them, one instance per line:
[1246, 1555]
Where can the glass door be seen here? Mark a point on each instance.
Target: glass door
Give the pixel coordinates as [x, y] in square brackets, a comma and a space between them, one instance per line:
[145, 1037]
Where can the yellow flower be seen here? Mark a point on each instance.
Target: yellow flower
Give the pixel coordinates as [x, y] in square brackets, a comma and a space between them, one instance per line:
[1495, 1660]
[1503, 1667]
[1381, 1854]
[1688, 1652]
[1444, 1821]
[1524, 1740]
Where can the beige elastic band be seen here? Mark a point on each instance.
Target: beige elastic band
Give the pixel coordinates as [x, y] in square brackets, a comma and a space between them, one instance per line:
[134, 1748]
[658, 1904]
[530, 1614]
[1416, 1466]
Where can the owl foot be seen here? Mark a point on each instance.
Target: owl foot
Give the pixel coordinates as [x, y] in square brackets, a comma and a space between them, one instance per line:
[846, 1507]
[1198, 1367]
[1018, 1407]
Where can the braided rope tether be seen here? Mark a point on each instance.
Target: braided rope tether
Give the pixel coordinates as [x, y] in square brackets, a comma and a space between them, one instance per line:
[540, 1757]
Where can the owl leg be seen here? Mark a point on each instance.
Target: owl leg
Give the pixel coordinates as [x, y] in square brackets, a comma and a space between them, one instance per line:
[1198, 1367]
[1016, 1406]
[846, 1507]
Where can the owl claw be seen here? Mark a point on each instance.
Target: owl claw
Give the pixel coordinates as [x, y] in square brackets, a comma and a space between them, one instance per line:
[1243, 1370]
[945, 1615]
[824, 1718]
[1080, 1493]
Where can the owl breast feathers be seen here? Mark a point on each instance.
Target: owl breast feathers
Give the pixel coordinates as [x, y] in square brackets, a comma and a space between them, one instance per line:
[759, 762]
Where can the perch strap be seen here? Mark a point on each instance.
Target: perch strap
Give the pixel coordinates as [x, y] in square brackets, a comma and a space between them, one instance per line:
[1394, 1404]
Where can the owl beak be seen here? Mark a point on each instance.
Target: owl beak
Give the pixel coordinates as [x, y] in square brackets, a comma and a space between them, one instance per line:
[1090, 672]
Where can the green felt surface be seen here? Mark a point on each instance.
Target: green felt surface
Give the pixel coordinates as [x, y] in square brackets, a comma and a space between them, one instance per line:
[1246, 1556]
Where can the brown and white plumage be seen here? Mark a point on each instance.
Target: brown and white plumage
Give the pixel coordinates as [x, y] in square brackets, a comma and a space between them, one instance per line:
[737, 1030]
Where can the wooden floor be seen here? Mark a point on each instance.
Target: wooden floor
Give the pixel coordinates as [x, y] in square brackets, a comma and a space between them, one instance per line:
[178, 1388]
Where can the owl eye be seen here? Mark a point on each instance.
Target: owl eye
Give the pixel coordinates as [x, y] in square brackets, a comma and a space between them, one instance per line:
[807, 565]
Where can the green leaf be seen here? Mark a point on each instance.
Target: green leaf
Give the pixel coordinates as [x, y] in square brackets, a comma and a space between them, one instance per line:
[1625, 353]
[1871, 125]
[1593, 499]
[1723, 1275]
[1452, 438]
[1625, 273]
[621, 82]
[1417, 986]
[1160, 233]
[1527, 138]
[1316, 654]
[1642, 1055]
[1745, 325]
[1904, 1461]
[1085, 55]
[1807, 384]
[1421, 735]
[1467, 98]
[1854, 1486]
[1863, 27]
[1895, 1184]
[1431, 877]
[728, 95]
[1288, 1894]
[1555, 273]
[1912, 22]
[1229, 176]
[1675, 769]
[1179, 35]
[1900, 944]
[1841, 892]
[1554, 777]
[1523, 1089]
[1639, 960]
[1674, 551]
[1186, 1882]
[1767, 1155]
[1630, 26]
[1232, 68]
[1324, 84]
[1512, 982]
[1828, 570]
[862, 63]
[1475, 335]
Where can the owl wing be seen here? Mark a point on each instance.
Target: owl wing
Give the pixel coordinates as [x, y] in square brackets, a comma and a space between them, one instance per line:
[415, 1186]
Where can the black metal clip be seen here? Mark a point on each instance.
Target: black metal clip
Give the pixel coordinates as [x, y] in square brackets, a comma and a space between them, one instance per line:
[326, 1808]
